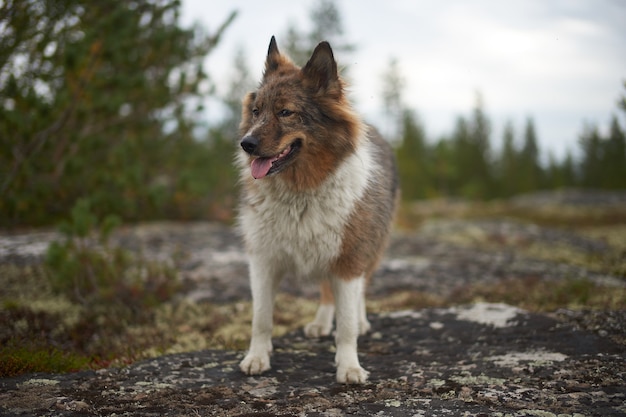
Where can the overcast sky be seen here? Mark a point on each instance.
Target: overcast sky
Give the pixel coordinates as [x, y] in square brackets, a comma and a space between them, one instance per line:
[561, 62]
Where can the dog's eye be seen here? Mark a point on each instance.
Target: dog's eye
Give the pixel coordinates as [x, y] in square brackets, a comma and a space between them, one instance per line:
[285, 113]
[255, 112]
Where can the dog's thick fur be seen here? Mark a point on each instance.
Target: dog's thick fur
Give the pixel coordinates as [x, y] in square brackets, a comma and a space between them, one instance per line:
[319, 193]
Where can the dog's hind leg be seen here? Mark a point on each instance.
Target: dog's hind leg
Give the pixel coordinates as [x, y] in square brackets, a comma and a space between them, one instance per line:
[264, 283]
[364, 324]
[322, 325]
[348, 312]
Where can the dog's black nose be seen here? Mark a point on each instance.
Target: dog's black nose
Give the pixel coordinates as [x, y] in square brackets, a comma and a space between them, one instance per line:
[249, 144]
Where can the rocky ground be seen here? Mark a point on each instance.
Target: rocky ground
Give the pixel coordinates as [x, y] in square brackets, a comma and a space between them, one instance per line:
[465, 322]
[481, 360]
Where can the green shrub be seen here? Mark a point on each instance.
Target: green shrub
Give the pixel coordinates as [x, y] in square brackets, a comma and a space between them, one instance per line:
[87, 270]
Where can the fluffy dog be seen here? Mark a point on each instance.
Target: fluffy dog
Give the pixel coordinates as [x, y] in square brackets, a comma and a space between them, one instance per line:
[319, 194]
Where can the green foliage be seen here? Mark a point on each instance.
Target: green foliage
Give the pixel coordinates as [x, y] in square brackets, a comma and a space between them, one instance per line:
[110, 291]
[464, 165]
[86, 270]
[455, 166]
[25, 343]
[83, 221]
[507, 167]
[518, 169]
[18, 359]
[604, 158]
[529, 169]
[471, 157]
[413, 160]
[95, 98]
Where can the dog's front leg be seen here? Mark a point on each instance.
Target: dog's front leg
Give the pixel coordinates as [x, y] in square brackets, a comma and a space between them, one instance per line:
[348, 295]
[263, 282]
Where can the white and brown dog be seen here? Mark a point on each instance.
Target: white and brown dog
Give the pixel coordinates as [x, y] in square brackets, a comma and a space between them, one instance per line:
[319, 193]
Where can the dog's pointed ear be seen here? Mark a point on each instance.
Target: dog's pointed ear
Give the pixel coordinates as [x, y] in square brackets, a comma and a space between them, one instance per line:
[273, 57]
[320, 73]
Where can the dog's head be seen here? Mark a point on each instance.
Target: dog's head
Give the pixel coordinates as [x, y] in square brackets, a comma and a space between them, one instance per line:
[298, 123]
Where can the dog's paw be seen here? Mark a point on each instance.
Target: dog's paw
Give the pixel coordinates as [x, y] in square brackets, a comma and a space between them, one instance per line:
[255, 364]
[316, 330]
[353, 375]
[322, 325]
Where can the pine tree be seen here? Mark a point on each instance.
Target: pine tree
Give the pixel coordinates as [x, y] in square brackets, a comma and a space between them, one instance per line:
[414, 160]
[95, 98]
[471, 141]
[603, 163]
[614, 154]
[508, 164]
[560, 175]
[444, 173]
[530, 173]
[592, 158]
[568, 171]
[464, 180]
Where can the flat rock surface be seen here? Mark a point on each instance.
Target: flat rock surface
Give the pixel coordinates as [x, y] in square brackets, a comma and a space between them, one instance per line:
[479, 360]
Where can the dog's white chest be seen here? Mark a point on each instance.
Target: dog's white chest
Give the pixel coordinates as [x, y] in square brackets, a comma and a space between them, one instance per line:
[303, 232]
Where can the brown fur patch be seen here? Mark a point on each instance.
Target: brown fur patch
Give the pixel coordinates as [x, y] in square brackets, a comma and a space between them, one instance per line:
[366, 233]
[326, 293]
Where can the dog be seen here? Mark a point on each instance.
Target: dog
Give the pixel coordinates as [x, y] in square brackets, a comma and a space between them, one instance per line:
[319, 193]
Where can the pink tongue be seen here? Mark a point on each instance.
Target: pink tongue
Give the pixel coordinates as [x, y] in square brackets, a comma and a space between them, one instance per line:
[260, 167]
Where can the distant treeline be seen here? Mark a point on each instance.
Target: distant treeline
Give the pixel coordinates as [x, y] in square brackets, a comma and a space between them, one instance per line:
[101, 102]
[466, 165]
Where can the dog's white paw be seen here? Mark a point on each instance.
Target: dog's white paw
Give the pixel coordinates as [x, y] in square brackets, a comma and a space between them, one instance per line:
[322, 325]
[255, 364]
[352, 375]
[315, 330]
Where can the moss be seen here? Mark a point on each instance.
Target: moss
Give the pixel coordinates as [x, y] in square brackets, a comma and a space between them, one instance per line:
[17, 358]
[613, 260]
[610, 261]
[412, 215]
[24, 283]
[404, 300]
[468, 379]
[539, 295]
